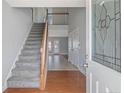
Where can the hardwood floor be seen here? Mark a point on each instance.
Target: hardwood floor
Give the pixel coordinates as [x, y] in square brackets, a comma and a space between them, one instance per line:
[59, 82]
[60, 62]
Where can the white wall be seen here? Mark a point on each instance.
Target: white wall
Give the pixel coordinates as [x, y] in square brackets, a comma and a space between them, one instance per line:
[77, 22]
[16, 26]
[58, 30]
[38, 15]
[60, 19]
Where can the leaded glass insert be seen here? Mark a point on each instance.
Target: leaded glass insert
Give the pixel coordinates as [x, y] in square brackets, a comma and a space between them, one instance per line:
[106, 33]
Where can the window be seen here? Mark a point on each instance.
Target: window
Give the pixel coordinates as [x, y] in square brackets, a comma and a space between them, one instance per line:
[106, 33]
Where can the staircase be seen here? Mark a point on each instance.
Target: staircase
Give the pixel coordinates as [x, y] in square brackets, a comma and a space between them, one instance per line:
[26, 73]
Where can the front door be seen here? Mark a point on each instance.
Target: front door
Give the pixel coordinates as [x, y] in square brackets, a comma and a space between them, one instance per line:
[103, 66]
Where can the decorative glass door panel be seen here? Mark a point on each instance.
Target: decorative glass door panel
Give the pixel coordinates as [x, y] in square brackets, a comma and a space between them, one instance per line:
[106, 33]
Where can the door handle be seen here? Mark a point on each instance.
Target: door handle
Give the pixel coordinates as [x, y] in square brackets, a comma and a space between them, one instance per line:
[85, 65]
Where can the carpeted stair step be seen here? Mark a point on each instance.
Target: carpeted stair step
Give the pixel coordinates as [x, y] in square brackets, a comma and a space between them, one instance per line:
[34, 36]
[26, 71]
[32, 57]
[30, 52]
[34, 39]
[27, 63]
[36, 42]
[32, 47]
[21, 82]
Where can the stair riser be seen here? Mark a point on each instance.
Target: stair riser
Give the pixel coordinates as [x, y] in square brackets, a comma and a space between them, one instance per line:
[31, 52]
[20, 84]
[41, 31]
[37, 29]
[29, 58]
[35, 36]
[27, 44]
[31, 43]
[40, 35]
[25, 74]
[33, 40]
[37, 26]
[33, 49]
[35, 33]
[32, 46]
[19, 64]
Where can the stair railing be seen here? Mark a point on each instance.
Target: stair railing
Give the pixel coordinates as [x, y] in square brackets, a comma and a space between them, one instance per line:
[44, 56]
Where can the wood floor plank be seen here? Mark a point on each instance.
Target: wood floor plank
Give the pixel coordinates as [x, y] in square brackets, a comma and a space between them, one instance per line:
[58, 82]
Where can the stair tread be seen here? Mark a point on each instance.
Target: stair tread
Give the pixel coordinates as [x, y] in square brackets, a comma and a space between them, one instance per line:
[36, 32]
[37, 41]
[29, 55]
[34, 36]
[32, 51]
[40, 37]
[31, 47]
[34, 40]
[20, 61]
[20, 64]
[16, 78]
[26, 68]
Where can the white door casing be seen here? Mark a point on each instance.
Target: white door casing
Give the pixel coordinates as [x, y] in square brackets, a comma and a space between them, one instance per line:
[99, 78]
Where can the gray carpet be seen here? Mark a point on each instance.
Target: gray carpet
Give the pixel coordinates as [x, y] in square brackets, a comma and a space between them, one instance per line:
[26, 73]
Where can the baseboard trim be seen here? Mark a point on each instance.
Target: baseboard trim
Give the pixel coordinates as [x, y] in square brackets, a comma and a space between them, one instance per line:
[16, 58]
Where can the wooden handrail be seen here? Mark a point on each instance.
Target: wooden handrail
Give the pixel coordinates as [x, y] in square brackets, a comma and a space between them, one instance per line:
[44, 57]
